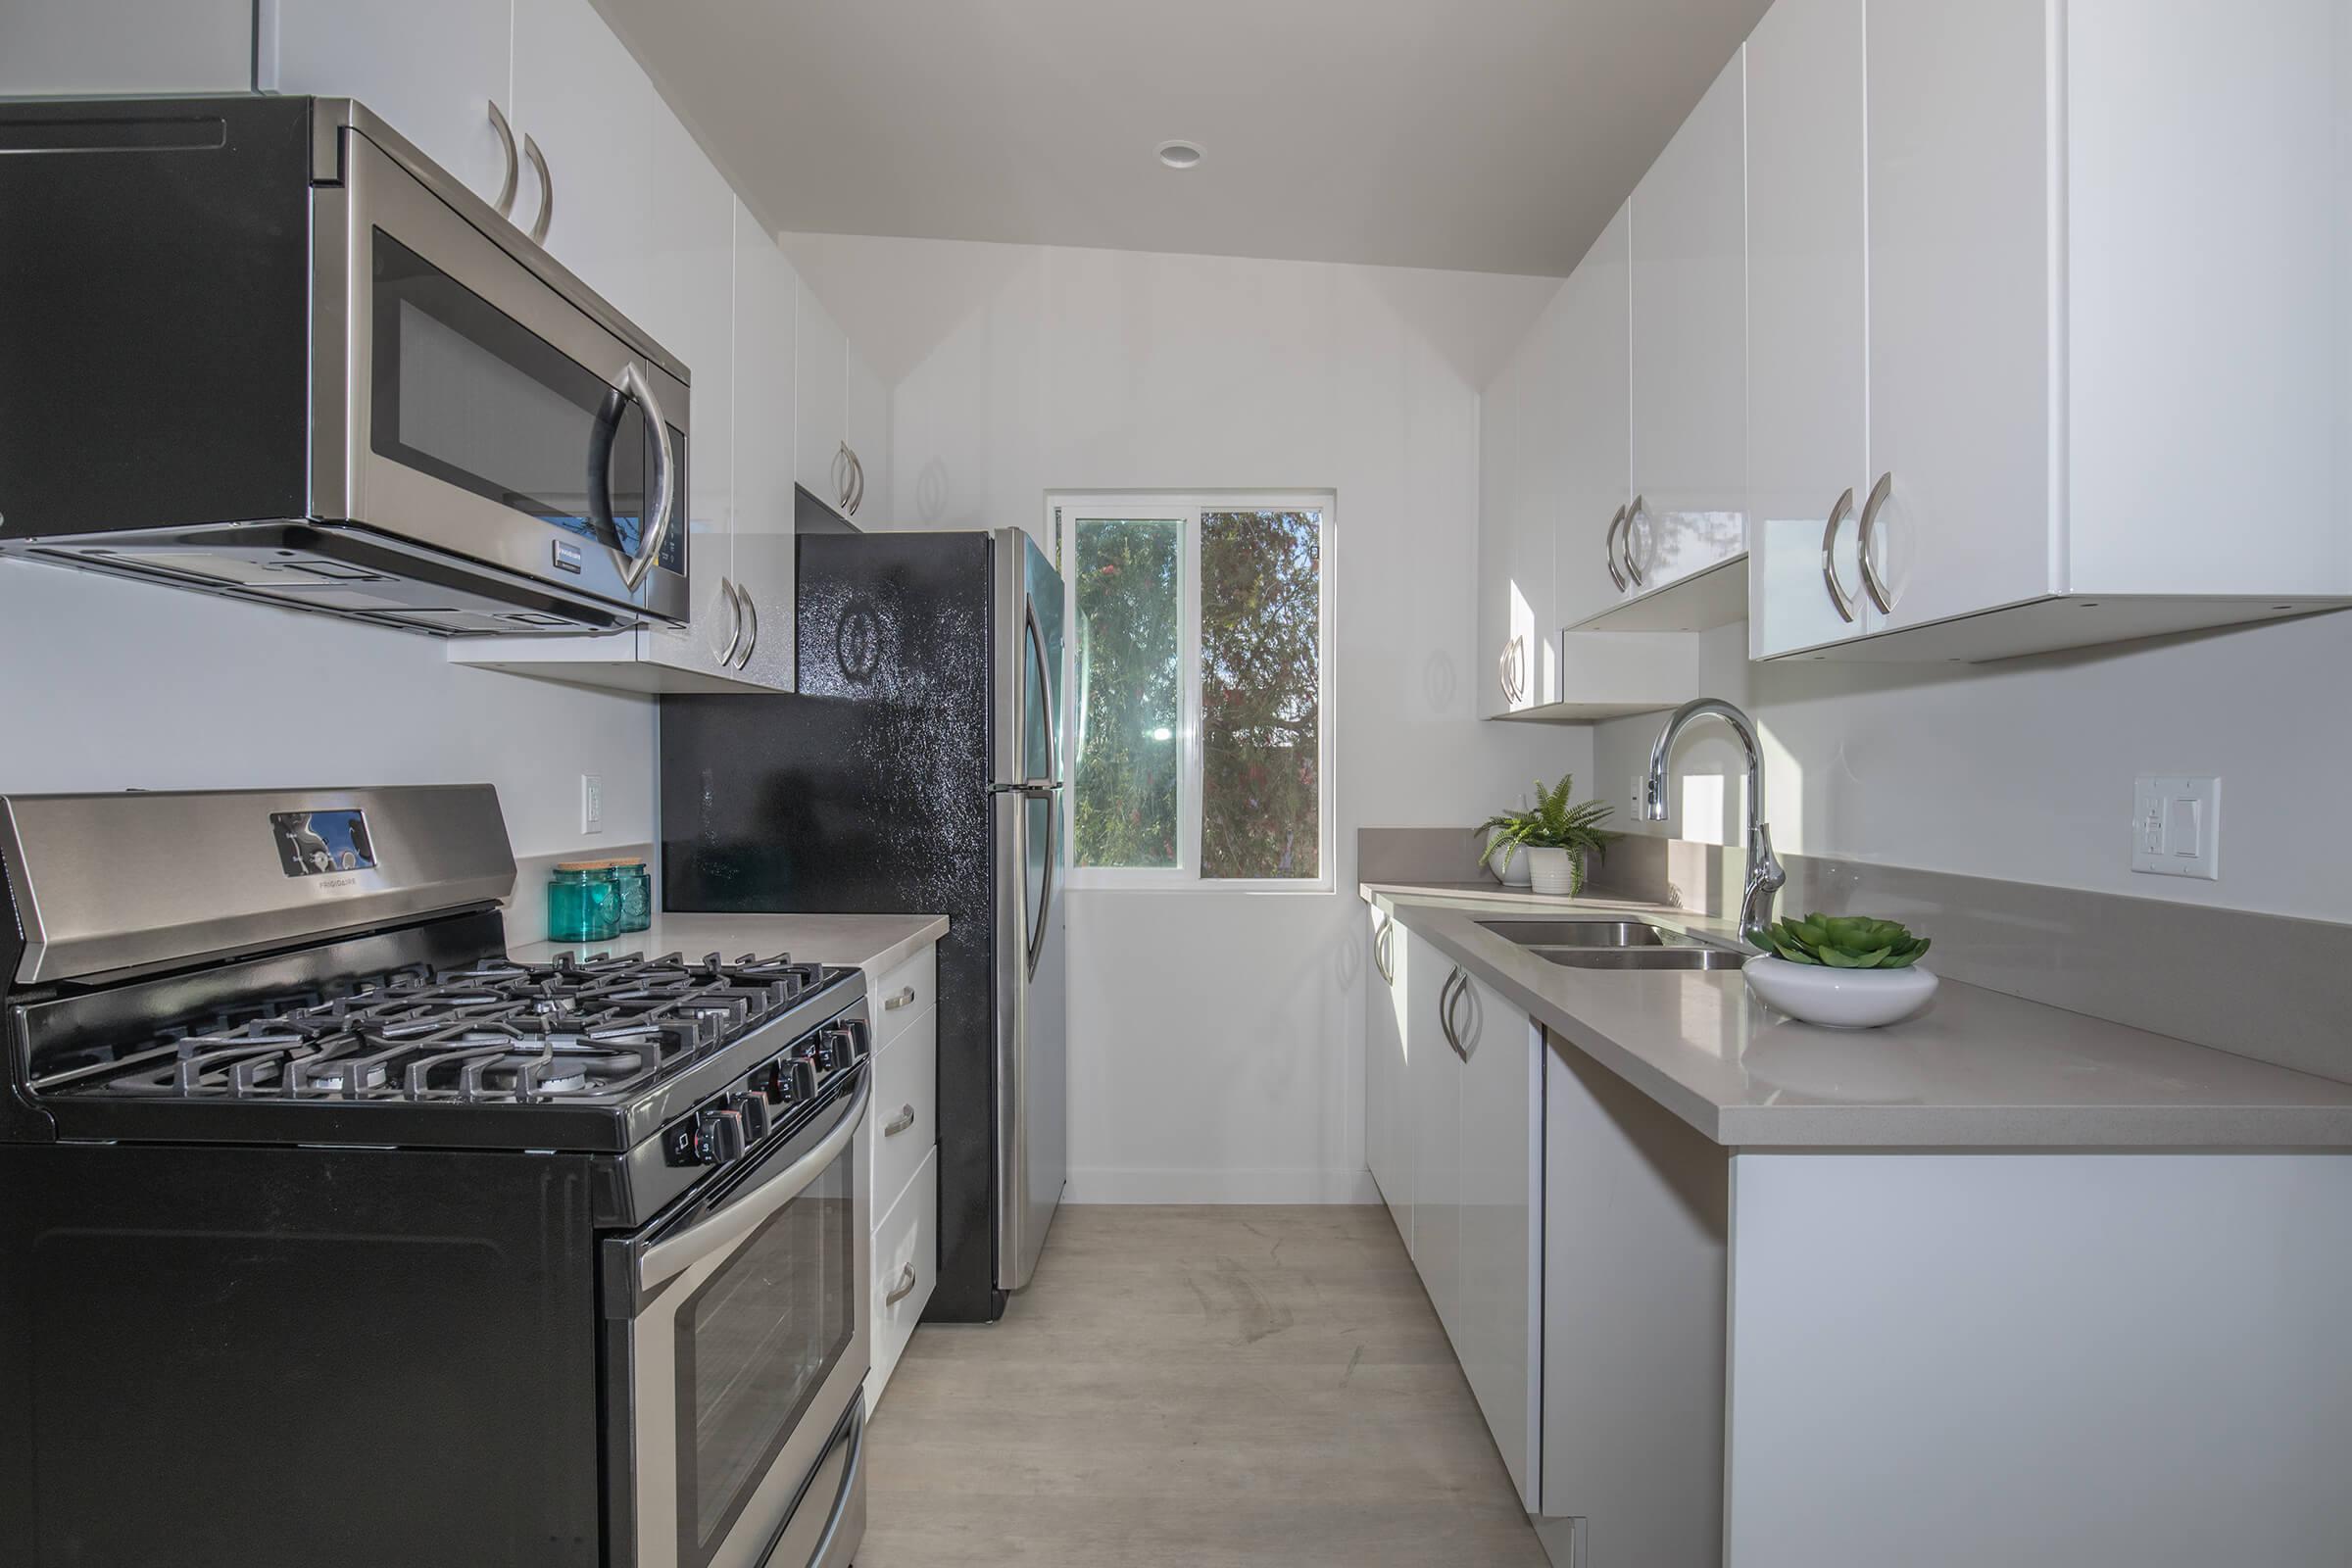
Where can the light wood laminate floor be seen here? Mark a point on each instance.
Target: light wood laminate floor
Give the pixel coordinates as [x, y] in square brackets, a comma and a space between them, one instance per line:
[1199, 1387]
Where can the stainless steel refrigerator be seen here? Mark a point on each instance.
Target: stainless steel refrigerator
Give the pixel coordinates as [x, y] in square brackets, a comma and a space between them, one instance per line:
[918, 769]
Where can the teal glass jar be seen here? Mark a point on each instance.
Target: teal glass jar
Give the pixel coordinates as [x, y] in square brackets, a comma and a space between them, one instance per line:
[635, 885]
[583, 902]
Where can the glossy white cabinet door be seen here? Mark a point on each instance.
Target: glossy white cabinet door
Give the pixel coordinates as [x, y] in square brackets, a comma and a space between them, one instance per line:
[1496, 1322]
[430, 68]
[766, 329]
[1388, 1080]
[1515, 539]
[2208, 323]
[1593, 436]
[1687, 375]
[1960, 290]
[1807, 305]
[822, 389]
[1436, 1090]
[866, 418]
[583, 99]
[690, 309]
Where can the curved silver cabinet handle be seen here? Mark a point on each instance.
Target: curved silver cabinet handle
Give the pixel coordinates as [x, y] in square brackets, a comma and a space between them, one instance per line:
[1865, 538]
[898, 1123]
[547, 190]
[1631, 569]
[1829, 557]
[904, 996]
[840, 478]
[903, 1289]
[1608, 548]
[505, 141]
[665, 476]
[751, 611]
[857, 481]
[1381, 960]
[727, 591]
[1502, 671]
[1446, 1012]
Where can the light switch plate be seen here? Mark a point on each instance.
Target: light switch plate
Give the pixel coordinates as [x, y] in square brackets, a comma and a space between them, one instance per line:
[2177, 826]
[592, 803]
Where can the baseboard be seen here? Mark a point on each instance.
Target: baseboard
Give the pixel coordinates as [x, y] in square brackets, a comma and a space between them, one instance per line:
[1277, 1186]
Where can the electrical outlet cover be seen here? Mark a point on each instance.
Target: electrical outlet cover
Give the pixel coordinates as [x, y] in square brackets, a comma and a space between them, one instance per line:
[592, 803]
[2177, 826]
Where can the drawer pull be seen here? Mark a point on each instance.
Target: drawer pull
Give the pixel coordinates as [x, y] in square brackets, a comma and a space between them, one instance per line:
[903, 998]
[903, 1289]
[898, 1123]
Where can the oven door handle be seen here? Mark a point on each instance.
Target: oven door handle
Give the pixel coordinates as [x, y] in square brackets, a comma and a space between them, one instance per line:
[674, 1255]
[853, 1433]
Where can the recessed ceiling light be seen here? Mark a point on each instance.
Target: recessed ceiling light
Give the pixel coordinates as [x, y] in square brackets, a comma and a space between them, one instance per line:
[1180, 154]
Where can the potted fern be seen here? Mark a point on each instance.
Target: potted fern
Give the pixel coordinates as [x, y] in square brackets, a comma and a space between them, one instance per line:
[1556, 836]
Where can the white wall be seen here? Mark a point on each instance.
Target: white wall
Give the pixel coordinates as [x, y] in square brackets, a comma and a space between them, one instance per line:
[1216, 1038]
[2022, 769]
[113, 685]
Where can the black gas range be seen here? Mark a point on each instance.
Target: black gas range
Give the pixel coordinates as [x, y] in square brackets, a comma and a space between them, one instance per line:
[568, 1258]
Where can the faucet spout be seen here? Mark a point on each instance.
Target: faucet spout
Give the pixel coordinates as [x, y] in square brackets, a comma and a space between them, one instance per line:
[1765, 875]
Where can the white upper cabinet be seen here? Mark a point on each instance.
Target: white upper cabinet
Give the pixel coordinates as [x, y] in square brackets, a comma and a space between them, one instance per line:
[583, 102]
[865, 424]
[1806, 320]
[433, 69]
[1687, 368]
[1515, 517]
[766, 303]
[1960, 305]
[2106, 306]
[1588, 572]
[822, 466]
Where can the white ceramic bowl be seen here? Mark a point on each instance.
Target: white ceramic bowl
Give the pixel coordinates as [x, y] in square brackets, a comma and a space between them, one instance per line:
[1840, 999]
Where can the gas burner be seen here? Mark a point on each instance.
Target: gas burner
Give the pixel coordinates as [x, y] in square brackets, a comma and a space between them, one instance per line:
[496, 1029]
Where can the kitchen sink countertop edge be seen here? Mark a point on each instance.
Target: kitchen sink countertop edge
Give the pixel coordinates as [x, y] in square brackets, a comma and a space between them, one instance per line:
[1978, 1069]
[871, 942]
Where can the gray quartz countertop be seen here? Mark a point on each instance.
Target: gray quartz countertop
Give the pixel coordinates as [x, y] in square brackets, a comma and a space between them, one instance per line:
[871, 942]
[1978, 1069]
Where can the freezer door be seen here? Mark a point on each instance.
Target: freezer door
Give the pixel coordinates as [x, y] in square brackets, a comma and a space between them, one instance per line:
[1032, 967]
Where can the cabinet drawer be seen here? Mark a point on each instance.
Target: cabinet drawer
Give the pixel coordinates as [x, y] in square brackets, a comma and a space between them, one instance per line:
[905, 1098]
[906, 1264]
[903, 994]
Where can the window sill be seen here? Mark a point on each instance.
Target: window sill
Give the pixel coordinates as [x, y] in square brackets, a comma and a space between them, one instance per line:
[1182, 883]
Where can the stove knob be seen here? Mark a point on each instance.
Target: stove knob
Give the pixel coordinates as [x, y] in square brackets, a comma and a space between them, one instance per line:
[803, 1079]
[752, 1110]
[719, 1137]
[774, 1082]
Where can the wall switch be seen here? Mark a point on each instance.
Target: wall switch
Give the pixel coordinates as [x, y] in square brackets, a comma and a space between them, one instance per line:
[592, 803]
[2177, 826]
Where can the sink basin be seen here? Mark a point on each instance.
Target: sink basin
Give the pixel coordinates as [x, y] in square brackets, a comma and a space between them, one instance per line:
[1641, 957]
[1614, 945]
[1578, 933]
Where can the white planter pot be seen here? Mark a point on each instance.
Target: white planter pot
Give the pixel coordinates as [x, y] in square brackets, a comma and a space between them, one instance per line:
[1551, 873]
[1515, 875]
[1839, 999]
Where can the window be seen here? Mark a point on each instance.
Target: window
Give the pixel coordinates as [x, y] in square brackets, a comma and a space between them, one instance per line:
[1199, 688]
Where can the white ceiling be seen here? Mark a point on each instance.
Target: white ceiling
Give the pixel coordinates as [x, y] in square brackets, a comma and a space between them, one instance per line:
[1489, 135]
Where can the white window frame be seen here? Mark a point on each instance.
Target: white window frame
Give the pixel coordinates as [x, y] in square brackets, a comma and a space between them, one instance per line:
[1063, 510]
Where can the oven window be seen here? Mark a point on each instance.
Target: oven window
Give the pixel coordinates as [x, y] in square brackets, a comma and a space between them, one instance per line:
[463, 392]
[755, 1344]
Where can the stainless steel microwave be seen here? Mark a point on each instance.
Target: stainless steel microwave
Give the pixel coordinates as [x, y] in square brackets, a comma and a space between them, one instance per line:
[262, 346]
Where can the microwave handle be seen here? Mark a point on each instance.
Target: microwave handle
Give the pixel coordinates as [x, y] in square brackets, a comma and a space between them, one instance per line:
[666, 478]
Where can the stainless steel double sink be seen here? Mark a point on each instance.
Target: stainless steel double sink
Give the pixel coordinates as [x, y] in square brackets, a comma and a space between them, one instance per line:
[1615, 943]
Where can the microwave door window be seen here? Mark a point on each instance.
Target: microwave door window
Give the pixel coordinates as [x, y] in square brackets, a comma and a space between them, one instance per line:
[467, 394]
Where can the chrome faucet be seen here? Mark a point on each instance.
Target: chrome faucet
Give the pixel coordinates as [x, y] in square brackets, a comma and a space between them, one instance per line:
[1764, 873]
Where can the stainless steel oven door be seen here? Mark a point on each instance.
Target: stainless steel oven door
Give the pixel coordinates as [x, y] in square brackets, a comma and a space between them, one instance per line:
[742, 1349]
[461, 401]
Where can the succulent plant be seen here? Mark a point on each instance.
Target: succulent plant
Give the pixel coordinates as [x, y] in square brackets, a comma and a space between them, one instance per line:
[1847, 942]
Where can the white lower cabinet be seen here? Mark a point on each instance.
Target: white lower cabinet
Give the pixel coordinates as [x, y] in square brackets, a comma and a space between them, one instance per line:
[1473, 1095]
[903, 1157]
[906, 1270]
[1387, 1086]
